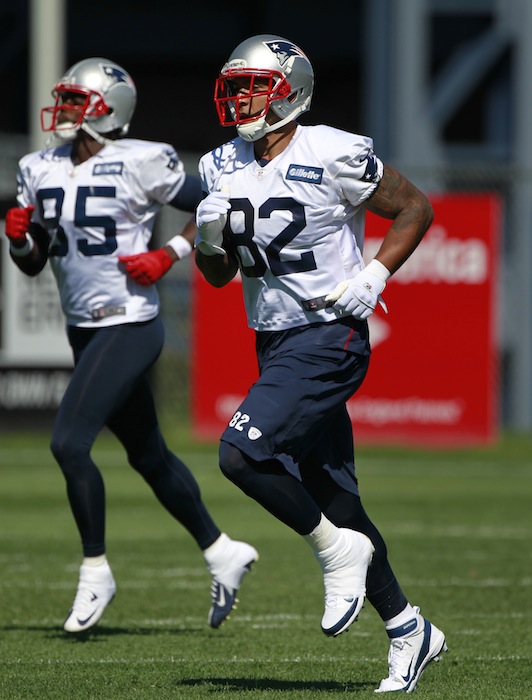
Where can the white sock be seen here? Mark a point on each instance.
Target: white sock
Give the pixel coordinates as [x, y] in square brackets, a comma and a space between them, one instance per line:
[323, 536]
[216, 549]
[94, 561]
[403, 618]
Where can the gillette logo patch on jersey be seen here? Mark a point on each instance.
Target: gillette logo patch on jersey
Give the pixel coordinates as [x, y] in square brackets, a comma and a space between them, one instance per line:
[108, 169]
[304, 173]
[283, 50]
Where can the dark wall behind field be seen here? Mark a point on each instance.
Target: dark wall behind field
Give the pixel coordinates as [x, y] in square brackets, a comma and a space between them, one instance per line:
[174, 50]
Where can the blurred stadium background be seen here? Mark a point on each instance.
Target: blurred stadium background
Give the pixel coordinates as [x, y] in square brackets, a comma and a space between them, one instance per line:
[442, 86]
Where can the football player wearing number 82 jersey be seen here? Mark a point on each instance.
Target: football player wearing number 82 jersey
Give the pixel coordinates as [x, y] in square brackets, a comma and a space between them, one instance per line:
[87, 205]
[285, 205]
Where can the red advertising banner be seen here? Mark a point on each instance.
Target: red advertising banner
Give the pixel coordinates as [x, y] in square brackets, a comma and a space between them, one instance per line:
[433, 376]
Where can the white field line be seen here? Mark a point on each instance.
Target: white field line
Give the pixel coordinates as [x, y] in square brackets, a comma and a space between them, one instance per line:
[435, 468]
[487, 532]
[242, 660]
[184, 584]
[35, 455]
[277, 621]
[419, 528]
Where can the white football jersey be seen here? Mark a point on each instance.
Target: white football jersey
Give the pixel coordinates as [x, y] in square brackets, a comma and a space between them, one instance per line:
[297, 222]
[94, 212]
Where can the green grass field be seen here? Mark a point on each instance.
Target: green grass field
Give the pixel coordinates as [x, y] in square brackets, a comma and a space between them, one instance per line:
[459, 531]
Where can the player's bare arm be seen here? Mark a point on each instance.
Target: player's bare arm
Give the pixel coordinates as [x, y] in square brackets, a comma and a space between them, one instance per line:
[218, 270]
[189, 231]
[398, 199]
[189, 234]
[35, 259]
[216, 264]
[30, 264]
[148, 267]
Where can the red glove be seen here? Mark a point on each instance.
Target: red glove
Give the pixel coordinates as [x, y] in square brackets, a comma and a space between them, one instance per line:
[147, 268]
[17, 224]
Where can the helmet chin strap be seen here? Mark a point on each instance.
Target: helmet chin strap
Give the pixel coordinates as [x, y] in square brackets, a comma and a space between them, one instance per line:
[95, 135]
[255, 130]
[65, 134]
[68, 133]
[252, 131]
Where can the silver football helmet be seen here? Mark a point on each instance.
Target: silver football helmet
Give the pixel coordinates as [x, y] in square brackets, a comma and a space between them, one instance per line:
[95, 95]
[285, 78]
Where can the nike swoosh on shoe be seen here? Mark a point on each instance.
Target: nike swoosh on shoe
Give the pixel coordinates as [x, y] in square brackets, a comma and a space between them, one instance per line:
[221, 597]
[409, 672]
[82, 623]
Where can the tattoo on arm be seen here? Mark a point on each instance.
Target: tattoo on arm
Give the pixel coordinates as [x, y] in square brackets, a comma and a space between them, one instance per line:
[397, 198]
[390, 196]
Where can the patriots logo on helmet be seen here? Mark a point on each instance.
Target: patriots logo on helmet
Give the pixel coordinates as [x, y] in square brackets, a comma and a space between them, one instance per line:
[118, 75]
[284, 50]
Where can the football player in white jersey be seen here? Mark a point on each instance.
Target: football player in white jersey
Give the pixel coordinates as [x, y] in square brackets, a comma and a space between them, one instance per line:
[285, 205]
[88, 205]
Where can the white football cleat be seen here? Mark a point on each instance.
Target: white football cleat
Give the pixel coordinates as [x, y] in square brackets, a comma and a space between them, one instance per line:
[96, 589]
[410, 654]
[345, 567]
[228, 562]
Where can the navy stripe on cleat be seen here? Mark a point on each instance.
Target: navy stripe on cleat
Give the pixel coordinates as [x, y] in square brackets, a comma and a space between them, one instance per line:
[345, 565]
[409, 656]
[353, 607]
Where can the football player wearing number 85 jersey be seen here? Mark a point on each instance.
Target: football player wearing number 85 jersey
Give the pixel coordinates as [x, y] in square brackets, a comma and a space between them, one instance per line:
[87, 205]
[285, 205]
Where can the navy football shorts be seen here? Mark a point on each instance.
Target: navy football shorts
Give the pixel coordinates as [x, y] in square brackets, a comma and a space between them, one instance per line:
[295, 412]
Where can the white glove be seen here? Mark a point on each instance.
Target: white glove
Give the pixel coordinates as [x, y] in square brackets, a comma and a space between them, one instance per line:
[359, 295]
[211, 217]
